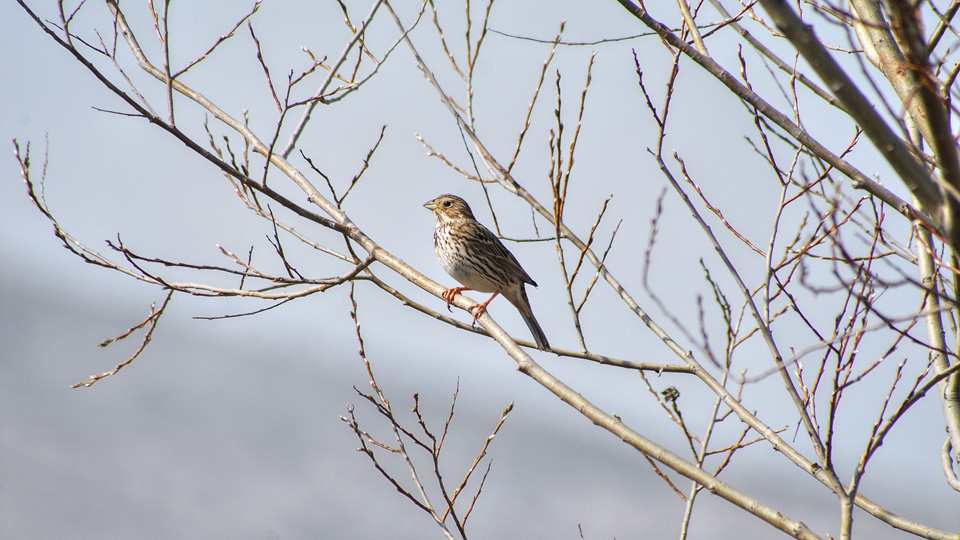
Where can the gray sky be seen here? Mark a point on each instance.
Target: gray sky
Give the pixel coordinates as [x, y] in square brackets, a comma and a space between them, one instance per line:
[232, 428]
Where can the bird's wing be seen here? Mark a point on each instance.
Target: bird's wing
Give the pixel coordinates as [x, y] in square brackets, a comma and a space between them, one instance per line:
[489, 245]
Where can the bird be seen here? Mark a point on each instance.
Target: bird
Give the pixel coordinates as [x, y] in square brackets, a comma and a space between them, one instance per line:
[475, 257]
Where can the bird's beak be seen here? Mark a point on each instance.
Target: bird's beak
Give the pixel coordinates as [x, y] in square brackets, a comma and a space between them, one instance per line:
[432, 205]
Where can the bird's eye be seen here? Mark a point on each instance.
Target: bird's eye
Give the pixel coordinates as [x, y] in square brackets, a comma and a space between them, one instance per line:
[447, 203]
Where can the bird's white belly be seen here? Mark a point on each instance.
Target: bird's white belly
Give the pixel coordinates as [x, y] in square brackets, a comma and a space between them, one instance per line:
[466, 275]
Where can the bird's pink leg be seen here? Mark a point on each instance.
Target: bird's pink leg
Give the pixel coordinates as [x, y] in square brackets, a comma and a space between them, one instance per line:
[450, 293]
[480, 308]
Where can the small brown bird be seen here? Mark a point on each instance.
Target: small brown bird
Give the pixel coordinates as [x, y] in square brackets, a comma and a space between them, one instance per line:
[475, 257]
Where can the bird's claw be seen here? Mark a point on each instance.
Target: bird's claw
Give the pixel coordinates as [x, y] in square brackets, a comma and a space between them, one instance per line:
[480, 309]
[449, 294]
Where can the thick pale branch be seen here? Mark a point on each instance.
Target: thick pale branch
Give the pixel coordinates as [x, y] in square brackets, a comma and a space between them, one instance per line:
[949, 400]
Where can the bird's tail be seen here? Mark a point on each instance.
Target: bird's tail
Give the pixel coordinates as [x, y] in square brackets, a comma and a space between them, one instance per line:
[523, 306]
[537, 332]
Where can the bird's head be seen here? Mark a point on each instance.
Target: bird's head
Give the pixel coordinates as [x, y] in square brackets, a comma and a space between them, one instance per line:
[449, 207]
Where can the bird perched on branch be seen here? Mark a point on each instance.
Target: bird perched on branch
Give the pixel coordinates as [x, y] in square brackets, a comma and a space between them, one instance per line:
[475, 257]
